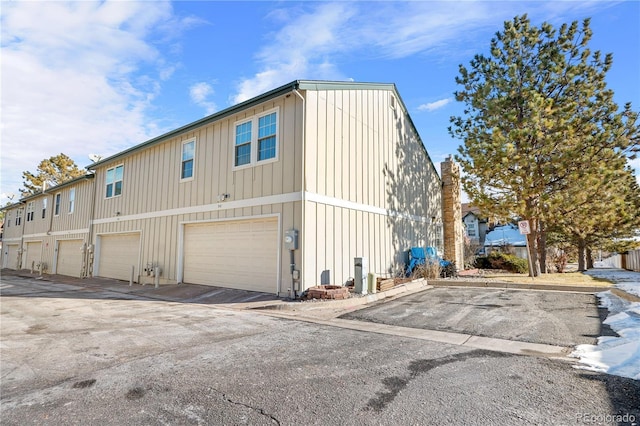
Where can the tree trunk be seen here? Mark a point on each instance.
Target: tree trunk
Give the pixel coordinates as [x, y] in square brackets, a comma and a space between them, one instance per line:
[582, 255]
[542, 248]
[589, 258]
[532, 238]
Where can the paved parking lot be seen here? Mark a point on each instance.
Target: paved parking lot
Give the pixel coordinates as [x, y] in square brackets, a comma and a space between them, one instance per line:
[97, 358]
[547, 317]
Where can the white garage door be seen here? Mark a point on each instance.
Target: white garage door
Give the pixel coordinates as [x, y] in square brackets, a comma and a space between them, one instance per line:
[33, 255]
[69, 258]
[11, 256]
[235, 254]
[118, 253]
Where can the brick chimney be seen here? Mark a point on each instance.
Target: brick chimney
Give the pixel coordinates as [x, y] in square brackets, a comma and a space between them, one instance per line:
[452, 213]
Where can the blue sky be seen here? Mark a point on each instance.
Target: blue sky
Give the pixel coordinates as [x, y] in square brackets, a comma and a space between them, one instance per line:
[98, 77]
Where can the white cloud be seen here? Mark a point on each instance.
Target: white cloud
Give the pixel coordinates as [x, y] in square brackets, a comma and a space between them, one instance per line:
[200, 92]
[77, 77]
[317, 36]
[432, 106]
[299, 49]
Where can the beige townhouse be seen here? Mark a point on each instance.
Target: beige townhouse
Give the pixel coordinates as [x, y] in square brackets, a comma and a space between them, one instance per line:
[49, 231]
[276, 194]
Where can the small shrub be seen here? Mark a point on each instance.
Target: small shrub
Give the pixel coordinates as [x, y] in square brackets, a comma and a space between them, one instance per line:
[449, 270]
[499, 260]
[482, 262]
[429, 271]
[471, 248]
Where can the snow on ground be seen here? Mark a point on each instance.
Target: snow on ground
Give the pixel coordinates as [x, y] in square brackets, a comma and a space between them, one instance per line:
[616, 355]
[625, 280]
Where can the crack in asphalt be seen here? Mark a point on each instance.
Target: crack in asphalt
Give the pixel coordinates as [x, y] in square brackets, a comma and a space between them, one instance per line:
[396, 384]
[257, 410]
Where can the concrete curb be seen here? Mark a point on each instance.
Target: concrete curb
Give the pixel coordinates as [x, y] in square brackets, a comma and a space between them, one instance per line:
[520, 286]
[353, 302]
[460, 339]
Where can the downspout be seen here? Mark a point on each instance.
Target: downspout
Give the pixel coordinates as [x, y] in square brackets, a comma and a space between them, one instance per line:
[304, 187]
[90, 247]
[23, 221]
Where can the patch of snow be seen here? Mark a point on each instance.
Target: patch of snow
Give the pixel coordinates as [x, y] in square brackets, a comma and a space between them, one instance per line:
[616, 355]
[505, 235]
[628, 281]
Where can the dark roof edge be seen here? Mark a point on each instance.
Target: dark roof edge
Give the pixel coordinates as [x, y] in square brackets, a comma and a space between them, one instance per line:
[52, 189]
[208, 119]
[294, 85]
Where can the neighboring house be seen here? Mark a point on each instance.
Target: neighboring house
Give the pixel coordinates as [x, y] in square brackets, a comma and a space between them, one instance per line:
[507, 236]
[276, 194]
[476, 226]
[49, 231]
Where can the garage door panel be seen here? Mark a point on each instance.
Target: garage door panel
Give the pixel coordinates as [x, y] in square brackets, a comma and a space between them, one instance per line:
[33, 254]
[11, 253]
[118, 253]
[69, 260]
[234, 254]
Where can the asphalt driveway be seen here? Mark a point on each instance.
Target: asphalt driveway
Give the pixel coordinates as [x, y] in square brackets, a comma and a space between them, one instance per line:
[547, 317]
[103, 359]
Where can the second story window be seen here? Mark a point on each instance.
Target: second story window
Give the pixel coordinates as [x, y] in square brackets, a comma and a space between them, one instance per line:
[72, 200]
[114, 181]
[30, 211]
[44, 207]
[18, 217]
[256, 140]
[188, 156]
[267, 137]
[56, 207]
[243, 144]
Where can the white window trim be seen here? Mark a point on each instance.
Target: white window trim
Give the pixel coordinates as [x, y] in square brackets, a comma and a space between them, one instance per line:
[193, 174]
[72, 200]
[45, 201]
[114, 182]
[254, 140]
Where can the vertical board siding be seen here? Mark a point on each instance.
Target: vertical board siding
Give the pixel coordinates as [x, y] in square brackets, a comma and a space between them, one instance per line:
[160, 235]
[152, 185]
[52, 228]
[361, 150]
[152, 176]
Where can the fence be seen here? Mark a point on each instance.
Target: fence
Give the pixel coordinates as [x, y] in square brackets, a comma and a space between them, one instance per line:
[614, 261]
[631, 260]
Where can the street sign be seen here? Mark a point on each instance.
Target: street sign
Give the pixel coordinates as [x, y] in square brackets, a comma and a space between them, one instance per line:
[524, 228]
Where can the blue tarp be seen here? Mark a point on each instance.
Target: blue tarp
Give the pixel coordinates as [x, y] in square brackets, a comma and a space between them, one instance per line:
[418, 256]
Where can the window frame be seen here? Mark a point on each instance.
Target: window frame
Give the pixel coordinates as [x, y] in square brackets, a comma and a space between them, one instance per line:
[182, 161]
[255, 139]
[19, 216]
[72, 200]
[57, 201]
[30, 209]
[107, 183]
[44, 207]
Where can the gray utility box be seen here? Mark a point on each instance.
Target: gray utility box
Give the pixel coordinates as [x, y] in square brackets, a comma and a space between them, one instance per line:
[361, 269]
